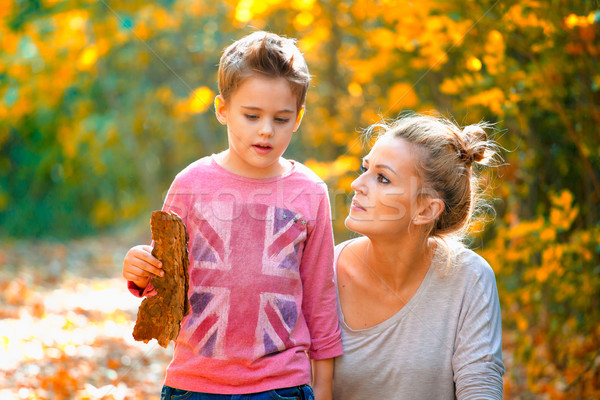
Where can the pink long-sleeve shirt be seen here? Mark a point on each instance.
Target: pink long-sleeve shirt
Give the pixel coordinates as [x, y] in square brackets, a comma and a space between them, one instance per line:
[261, 280]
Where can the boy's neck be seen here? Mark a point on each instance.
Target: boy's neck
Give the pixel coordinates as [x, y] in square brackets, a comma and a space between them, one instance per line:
[224, 160]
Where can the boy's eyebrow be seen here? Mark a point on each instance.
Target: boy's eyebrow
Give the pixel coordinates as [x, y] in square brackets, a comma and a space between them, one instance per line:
[366, 161]
[285, 110]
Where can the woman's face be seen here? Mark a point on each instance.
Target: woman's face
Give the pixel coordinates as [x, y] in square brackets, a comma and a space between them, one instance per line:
[386, 193]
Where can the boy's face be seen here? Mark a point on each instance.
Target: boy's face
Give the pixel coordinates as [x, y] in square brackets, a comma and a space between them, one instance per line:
[261, 117]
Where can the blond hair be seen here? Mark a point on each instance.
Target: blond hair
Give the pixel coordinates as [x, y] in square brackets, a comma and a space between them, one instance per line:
[445, 158]
[266, 54]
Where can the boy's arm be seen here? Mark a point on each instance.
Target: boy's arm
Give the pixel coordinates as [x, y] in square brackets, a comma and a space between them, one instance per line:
[322, 378]
[138, 267]
[319, 303]
[139, 264]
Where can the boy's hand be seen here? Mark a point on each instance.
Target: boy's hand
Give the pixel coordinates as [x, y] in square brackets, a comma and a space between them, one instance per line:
[322, 378]
[139, 265]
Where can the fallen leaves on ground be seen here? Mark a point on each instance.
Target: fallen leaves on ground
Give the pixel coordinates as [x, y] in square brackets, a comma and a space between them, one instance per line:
[66, 322]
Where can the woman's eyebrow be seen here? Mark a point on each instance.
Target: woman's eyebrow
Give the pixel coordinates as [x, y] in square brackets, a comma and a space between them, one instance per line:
[386, 167]
[366, 161]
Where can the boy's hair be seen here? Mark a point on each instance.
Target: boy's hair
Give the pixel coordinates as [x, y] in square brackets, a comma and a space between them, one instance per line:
[266, 54]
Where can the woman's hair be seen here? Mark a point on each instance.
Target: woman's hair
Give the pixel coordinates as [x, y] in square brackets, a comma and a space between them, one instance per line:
[265, 54]
[445, 157]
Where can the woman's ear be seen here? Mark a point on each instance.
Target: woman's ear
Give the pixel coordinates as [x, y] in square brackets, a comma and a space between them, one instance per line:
[299, 118]
[430, 210]
[221, 109]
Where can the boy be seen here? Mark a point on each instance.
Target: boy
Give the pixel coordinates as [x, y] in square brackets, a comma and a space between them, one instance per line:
[260, 243]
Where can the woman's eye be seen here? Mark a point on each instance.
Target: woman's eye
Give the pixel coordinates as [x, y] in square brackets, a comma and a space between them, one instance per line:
[363, 169]
[382, 179]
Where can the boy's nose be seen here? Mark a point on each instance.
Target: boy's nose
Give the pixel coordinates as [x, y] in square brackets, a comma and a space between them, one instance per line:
[266, 129]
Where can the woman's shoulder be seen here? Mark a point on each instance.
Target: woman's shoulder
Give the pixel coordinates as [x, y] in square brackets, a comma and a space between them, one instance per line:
[341, 246]
[471, 267]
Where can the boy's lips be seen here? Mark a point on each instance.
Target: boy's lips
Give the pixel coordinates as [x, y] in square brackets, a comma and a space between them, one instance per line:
[262, 148]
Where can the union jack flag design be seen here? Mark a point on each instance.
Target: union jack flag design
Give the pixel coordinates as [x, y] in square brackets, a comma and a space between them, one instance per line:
[244, 273]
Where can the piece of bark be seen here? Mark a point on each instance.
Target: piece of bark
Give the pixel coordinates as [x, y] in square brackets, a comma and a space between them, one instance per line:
[159, 317]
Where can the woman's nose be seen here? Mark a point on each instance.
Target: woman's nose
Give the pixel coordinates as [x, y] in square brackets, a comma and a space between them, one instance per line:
[358, 185]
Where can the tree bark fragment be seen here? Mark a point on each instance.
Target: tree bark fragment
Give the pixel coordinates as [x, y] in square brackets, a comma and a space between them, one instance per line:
[159, 317]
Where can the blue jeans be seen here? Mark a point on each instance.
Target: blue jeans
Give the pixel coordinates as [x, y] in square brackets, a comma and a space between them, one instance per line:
[303, 392]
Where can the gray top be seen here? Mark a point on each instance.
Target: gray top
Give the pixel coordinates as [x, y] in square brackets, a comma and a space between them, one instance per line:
[445, 343]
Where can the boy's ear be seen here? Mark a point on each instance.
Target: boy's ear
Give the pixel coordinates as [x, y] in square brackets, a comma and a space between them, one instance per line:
[430, 209]
[221, 109]
[299, 118]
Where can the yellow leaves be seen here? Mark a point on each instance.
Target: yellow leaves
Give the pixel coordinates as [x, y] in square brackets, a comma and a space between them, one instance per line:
[494, 49]
[449, 86]
[492, 99]
[473, 64]
[248, 9]
[327, 170]
[201, 99]
[87, 58]
[522, 323]
[548, 234]
[355, 89]
[242, 11]
[67, 137]
[164, 94]
[69, 33]
[303, 20]
[563, 200]
[102, 213]
[302, 5]
[573, 20]
[319, 168]
[345, 182]
[525, 228]
[198, 102]
[10, 40]
[382, 38]
[317, 36]
[402, 96]
[563, 213]
[495, 41]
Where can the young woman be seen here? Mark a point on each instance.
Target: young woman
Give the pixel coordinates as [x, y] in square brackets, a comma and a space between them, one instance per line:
[419, 312]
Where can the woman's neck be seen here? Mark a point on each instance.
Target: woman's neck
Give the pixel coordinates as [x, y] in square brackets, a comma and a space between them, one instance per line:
[400, 262]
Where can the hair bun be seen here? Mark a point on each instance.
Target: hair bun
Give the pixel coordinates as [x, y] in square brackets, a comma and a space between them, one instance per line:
[475, 144]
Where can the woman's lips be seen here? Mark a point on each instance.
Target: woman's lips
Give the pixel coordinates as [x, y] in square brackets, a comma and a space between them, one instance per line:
[356, 206]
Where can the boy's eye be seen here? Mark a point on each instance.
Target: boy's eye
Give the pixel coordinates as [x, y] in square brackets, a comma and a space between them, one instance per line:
[282, 120]
[382, 179]
[251, 116]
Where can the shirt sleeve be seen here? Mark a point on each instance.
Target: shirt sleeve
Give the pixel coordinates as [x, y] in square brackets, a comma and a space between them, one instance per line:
[177, 201]
[319, 303]
[137, 291]
[477, 360]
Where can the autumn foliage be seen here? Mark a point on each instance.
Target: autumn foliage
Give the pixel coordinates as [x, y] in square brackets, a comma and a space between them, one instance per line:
[103, 102]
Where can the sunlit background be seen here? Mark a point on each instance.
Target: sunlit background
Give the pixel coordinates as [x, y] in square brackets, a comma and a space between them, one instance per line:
[103, 102]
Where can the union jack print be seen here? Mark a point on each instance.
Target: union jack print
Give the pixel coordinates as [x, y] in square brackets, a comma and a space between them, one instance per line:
[244, 274]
